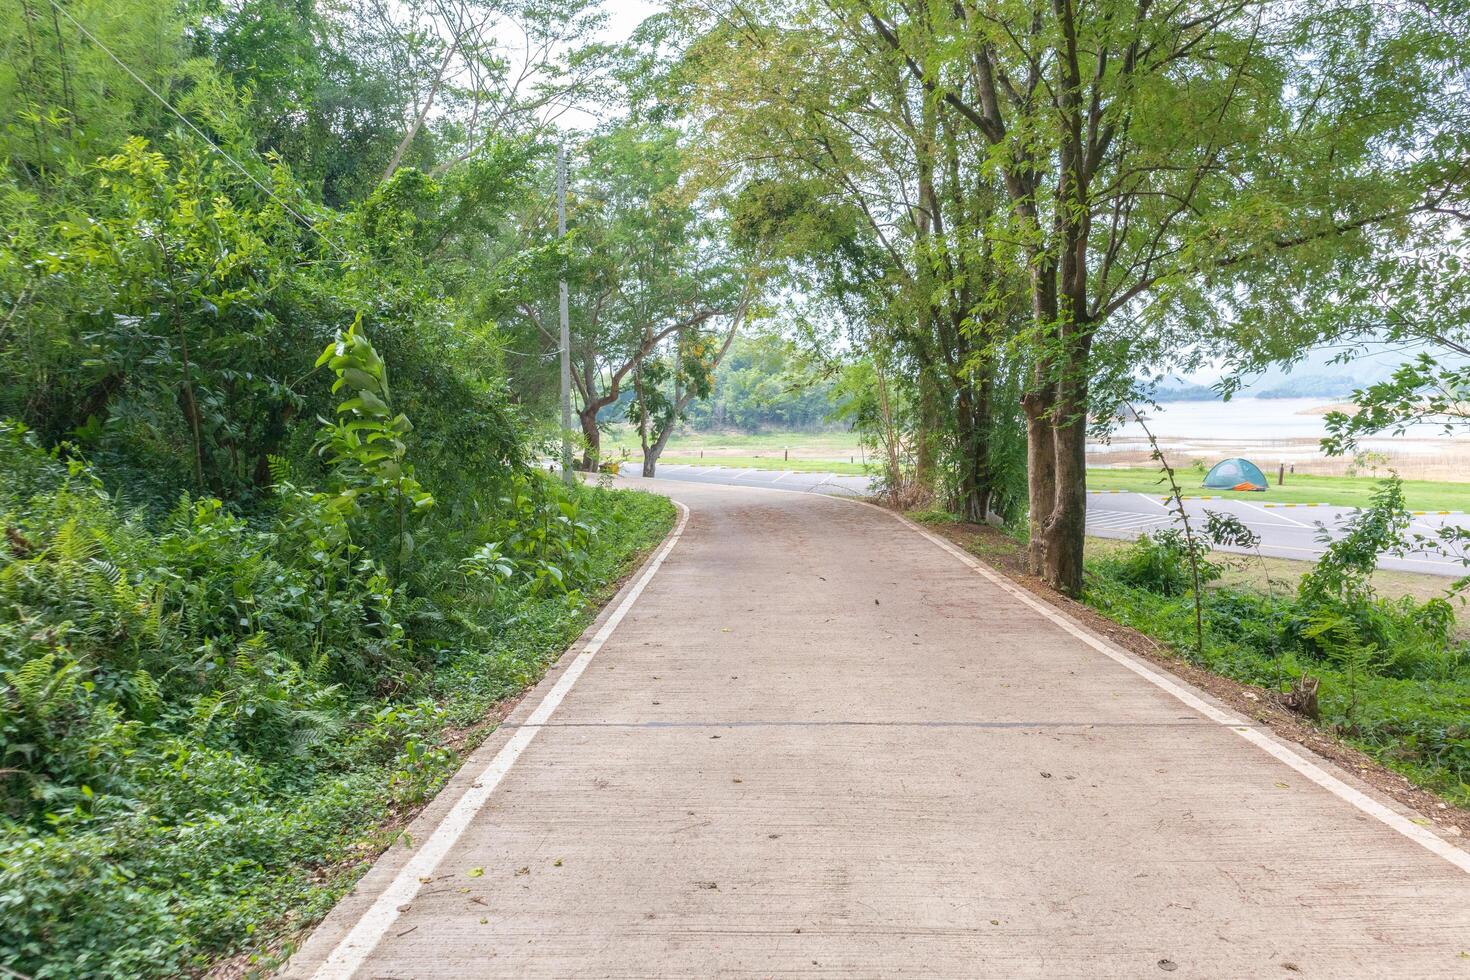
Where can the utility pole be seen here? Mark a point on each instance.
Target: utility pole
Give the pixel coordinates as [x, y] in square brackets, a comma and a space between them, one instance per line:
[566, 333]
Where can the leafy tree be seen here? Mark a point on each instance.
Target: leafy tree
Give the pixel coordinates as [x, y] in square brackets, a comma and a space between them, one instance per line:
[1133, 157]
[691, 370]
[67, 102]
[864, 182]
[644, 266]
[764, 381]
[462, 88]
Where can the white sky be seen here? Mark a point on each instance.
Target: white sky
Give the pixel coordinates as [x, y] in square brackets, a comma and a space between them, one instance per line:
[623, 18]
[625, 15]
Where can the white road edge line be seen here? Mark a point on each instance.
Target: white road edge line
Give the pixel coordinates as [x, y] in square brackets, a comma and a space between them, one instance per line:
[1289, 520]
[1312, 771]
[358, 944]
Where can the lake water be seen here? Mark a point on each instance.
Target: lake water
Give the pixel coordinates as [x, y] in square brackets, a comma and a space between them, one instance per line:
[1239, 418]
[1277, 430]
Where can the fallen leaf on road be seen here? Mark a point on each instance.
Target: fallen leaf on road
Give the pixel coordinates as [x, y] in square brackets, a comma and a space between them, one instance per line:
[1168, 965]
[523, 871]
[476, 872]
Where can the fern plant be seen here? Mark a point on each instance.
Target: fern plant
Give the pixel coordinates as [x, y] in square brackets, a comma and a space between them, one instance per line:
[1337, 634]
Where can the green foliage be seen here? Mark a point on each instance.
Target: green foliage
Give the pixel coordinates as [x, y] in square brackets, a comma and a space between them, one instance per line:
[1394, 679]
[1341, 612]
[201, 713]
[764, 383]
[243, 601]
[545, 542]
[1159, 562]
[365, 443]
[646, 270]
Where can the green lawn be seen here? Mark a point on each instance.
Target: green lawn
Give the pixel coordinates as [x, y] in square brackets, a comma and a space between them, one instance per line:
[838, 452]
[772, 462]
[836, 445]
[1344, 491]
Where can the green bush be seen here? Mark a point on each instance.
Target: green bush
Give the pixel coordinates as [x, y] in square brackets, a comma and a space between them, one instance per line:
[1394, 680]
[1159, 562]
[204, 716]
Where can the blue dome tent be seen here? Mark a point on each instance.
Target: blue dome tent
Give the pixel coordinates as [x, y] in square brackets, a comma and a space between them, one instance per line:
[1235, 474]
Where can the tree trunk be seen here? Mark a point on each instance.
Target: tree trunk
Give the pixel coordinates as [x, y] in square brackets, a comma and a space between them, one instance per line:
[1066, 528]
[1056, 464]
[590, 432]
[973, 428]
[1041, 483]
[652, 452]
[928, 435]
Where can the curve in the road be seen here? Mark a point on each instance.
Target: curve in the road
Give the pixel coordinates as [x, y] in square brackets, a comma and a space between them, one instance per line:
[816, 744]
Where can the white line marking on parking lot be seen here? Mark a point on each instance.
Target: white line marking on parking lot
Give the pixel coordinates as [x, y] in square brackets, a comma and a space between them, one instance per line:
[1263, 510]
[1124, 520]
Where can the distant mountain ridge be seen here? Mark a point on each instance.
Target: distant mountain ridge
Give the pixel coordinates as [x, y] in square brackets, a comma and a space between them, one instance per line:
[1176, 389]
[1310, 386]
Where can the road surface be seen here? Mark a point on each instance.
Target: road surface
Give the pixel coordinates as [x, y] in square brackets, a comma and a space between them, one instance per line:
[811, 740]
[1286, 531]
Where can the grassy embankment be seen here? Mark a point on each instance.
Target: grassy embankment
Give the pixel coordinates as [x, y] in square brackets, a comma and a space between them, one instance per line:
[212, 729]
[1342, 491]
[768, 463]
[808, 452]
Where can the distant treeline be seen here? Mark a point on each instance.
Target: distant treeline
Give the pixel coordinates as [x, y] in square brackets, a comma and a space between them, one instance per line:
[1306, 386]
[764, 384]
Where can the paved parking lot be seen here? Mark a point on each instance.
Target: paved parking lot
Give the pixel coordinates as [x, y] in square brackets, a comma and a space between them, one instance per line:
[1287, 531]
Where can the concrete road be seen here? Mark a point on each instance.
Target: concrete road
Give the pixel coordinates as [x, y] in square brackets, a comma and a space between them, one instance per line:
[1287, 531]
[812, 740]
